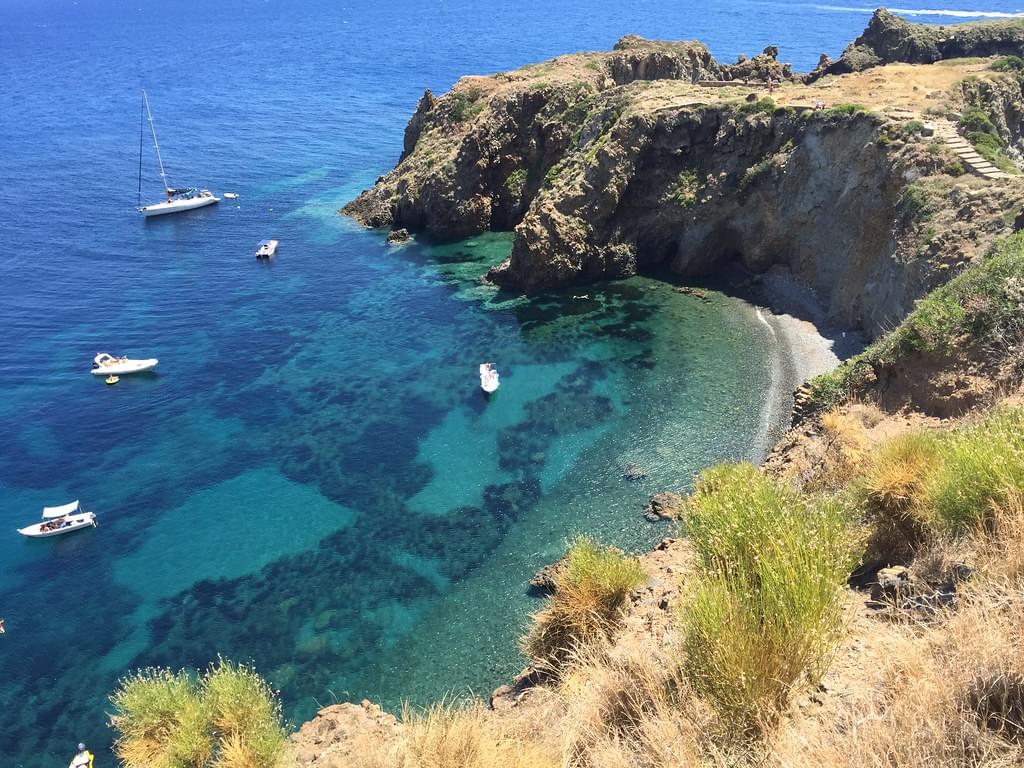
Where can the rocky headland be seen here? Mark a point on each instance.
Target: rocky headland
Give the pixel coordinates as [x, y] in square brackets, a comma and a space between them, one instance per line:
[654, 156]
[885, 184]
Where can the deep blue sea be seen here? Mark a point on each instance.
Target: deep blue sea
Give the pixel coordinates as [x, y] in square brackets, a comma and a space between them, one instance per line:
[312, 480]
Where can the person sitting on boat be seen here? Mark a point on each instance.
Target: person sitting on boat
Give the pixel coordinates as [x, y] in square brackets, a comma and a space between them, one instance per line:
[83, 759]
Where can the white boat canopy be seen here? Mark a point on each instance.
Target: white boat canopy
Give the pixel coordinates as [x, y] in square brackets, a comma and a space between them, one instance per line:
[64, 509]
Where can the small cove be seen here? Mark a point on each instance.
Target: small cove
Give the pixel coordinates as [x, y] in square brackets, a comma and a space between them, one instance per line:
[312, 479]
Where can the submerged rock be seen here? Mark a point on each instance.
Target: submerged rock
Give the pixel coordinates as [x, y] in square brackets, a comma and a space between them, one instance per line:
[634, 472]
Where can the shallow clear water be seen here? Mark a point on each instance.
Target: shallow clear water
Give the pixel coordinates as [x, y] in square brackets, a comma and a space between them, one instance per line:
[312, 480]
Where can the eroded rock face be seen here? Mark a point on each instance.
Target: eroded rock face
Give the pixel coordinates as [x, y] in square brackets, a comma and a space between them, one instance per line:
[341, 732]
[889, 39]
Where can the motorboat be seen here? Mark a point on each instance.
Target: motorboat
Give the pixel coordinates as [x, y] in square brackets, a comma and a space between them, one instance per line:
[266, 249]
[177, 199]
[105, 364]
[230, 195]
[60, 520]
[488, 378]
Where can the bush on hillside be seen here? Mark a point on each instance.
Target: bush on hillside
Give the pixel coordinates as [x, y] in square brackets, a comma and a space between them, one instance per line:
[1009, 64]
[228, 718]
[768, 609]
[590, 592]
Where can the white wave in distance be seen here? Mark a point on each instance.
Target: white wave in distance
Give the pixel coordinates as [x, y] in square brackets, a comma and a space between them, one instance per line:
[926, 12]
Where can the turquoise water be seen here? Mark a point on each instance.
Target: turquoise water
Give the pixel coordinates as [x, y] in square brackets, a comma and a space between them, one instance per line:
[312, 479]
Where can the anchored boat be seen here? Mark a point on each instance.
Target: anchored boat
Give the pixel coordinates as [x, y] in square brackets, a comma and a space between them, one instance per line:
[178, 199]
[60, 520]
[266, 249]
[488, 378]
[105, 364]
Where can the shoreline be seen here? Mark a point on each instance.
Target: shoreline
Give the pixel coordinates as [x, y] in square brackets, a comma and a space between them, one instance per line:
[805, 344]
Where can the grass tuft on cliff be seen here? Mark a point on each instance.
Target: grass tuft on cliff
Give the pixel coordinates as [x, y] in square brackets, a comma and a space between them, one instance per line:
[228, 718]
[767, 611]
[590, 592]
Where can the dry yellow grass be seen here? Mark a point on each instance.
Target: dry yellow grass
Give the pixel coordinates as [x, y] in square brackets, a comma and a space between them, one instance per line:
[928, 696]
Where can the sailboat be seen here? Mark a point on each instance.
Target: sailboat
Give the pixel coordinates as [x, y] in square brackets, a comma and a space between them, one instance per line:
[178, 199]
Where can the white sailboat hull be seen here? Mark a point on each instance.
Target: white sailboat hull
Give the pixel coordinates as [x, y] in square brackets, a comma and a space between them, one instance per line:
[176, 206]
[72, 523]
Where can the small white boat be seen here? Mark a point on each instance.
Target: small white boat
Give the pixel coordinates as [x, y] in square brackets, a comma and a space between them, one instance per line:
[184, 199]
[488, 378]
[230, 195]
[266, 249]
[60, 520]
[105, 364]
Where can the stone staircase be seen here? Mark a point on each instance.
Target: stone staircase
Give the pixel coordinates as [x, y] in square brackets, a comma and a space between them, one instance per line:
[967, 154]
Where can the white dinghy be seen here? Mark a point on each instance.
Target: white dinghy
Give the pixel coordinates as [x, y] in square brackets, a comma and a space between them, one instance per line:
[488, 378]
[105, 364]
[183, 199]
[60, 520]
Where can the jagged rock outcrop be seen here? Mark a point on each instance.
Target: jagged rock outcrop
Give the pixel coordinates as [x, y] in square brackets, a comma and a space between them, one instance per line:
[889, 39]
[485, 148]
[640, 159]
[340, 733]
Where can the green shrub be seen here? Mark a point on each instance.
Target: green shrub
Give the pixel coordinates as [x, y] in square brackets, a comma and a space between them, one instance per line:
[846, 109]
[912, 127]
[768, 609]
[975, 120]
[228, 718]
[914, 202]
[1009, 64]
[465, 104]
[761, 106]
[516, 183]
[161, 720]
[755, 172]
[980, 465]
[685, 189]
[590, 591]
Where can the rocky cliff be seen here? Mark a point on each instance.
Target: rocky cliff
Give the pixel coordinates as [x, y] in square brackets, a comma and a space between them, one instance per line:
[656, 157]
[889, 39]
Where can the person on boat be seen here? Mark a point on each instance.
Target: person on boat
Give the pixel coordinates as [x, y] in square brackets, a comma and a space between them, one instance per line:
[83, 759]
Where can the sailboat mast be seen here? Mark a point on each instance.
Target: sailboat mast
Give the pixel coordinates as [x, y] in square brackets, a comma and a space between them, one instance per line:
[152, 127]
[142, 130]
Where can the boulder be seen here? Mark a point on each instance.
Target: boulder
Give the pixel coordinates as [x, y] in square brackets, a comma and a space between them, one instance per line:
[398, 236]
[545, 581]
[664, 506]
